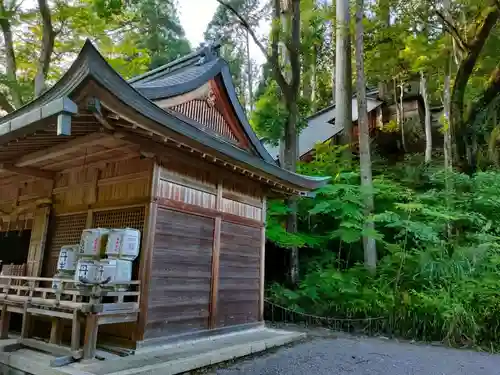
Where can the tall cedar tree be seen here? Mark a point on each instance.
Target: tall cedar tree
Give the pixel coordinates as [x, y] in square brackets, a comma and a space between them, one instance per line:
[289, 88]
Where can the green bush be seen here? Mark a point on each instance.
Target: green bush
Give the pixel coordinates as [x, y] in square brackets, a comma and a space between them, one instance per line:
[438, 240]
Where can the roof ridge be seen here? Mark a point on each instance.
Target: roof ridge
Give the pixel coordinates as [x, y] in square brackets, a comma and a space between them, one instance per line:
[204, 52]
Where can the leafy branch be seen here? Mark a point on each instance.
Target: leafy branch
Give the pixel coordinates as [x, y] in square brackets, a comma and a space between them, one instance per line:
[273, 57]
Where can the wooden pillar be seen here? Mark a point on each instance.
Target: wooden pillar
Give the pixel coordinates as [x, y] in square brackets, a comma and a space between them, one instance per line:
[90, 344]
[146, 255]
[4, 323]
[262, 257]
[38, 241]
[34, 263]
[26, 324]
[75, 332]
[214, 289]
[56, 331]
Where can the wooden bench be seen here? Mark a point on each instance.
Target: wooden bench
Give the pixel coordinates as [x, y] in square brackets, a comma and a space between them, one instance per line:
[72, 302]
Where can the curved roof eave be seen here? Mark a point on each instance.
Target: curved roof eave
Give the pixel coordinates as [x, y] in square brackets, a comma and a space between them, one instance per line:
[242, 117]
[164, 92]
[91, 65]
[220, 67]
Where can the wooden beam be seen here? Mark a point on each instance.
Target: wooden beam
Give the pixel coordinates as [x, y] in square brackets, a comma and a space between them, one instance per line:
[103, 121]
[94, 105]
[262, 257]
[56, 331]
[4, 323]
[216, 260]
[127, 149]
[75, 332]
[91, 329]
[60, 149]
[28, 171]
[146, 253]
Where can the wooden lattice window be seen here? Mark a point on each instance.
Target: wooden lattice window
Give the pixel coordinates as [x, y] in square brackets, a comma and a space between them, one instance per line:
[123, 218]
[64, 230]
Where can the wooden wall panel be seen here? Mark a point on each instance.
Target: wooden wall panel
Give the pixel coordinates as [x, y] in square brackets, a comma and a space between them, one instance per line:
[180, 277]
[239, 275]
[118, 183]
[187, 173]
[241, 209]
[181, 193]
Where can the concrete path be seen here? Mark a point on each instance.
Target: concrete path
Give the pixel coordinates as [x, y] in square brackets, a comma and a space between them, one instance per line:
[157, 360]
[366, 356]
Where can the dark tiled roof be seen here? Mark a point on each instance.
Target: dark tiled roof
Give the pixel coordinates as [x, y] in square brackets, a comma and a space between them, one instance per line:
[178, 81]
[197, 57]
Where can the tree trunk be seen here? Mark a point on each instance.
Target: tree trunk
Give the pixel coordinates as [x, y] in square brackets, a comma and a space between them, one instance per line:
[343, 76]
[306, 83]
[289, 85]
[402, 115]
[48, 38]
[307, 64]
[369, 244]
[399, 114]
[249, 74]
[428, 123]
[290, 164]
[447, 146]
[334, 51]
[5, 104]
[314, 79]
[291, 12]
[460, 128]
[10, 61]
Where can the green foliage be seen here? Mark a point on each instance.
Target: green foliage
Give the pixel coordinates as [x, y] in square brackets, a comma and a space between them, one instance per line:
[134, 36]
[270, 115]
[161, 31]
[439, 250]
[226, 29]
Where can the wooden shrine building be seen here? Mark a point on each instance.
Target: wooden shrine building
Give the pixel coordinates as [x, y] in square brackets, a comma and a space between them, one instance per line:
[170, 153]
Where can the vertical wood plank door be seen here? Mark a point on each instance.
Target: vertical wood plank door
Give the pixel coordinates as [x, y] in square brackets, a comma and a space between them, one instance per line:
[180, 277]
[239, 275]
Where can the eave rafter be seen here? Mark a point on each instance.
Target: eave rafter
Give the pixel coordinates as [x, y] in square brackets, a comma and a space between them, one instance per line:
[134, 137]
[24, 165]
[60, 150]
[95, 107]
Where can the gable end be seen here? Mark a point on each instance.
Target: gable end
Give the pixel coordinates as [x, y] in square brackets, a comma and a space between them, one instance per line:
[203, 112]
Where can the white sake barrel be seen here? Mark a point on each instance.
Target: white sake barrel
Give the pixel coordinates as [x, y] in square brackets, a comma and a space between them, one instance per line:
[68, 256]
[118, 270]
[89, 270]
[123, 244]
[93, 243]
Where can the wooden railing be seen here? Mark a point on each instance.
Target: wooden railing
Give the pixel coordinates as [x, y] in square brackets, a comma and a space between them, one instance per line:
[95, 304]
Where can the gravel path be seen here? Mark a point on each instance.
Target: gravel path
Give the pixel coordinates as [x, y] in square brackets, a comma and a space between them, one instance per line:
[355, 356]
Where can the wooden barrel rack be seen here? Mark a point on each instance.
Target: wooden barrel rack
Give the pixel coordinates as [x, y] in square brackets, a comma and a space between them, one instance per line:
[93, 304]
